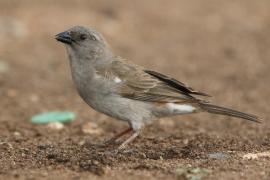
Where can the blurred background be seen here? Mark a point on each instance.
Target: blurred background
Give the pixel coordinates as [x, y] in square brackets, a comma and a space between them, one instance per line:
[218, 47]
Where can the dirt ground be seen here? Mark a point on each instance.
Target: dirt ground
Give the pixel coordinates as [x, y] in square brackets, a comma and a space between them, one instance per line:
[218, 47]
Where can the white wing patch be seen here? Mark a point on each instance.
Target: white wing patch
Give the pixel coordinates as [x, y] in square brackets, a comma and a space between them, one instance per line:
[117, 80]
[180, 108]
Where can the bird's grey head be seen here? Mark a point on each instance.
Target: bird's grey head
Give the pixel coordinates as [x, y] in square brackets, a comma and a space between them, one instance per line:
[84, 43]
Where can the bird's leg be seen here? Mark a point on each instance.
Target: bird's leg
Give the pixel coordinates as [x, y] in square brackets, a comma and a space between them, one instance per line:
[117, 136]
[131, 138]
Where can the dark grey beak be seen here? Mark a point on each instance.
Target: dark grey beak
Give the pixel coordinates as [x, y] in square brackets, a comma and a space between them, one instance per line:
[64, 37]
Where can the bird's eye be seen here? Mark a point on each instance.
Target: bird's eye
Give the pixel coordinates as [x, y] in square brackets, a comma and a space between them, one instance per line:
[83, 36]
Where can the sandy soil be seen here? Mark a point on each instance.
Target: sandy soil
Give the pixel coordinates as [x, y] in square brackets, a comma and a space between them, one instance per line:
[218, 47]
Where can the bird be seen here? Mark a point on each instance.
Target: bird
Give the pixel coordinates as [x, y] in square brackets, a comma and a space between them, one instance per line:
[119, 88]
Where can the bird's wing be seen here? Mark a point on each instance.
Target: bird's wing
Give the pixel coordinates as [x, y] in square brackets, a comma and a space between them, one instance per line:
[138, 83]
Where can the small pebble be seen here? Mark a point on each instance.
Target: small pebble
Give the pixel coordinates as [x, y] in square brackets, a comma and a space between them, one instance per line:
[17, 133]
[91, 128]
[81, 143]
[185, 141]
[218, 156]
[252, 156]
[55, 125]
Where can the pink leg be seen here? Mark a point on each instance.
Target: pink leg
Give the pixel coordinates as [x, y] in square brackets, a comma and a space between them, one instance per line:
[119, 135]
[130, 139]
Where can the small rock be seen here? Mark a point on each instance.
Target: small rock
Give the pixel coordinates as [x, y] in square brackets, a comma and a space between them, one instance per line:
[91, 128]
[252, 156]
[5, 145]
[81, 143]
[218, 156]
[55, 125]
[185, 141]
[17, 133]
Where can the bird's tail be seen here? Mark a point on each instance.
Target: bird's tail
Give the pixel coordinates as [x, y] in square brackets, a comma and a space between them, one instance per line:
[228, 112]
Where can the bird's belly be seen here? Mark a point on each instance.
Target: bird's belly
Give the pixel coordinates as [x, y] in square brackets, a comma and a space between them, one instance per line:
[120, 108]
[101, 96]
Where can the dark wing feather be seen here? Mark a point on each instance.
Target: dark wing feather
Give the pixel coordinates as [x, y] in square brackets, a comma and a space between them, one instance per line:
[175, 83]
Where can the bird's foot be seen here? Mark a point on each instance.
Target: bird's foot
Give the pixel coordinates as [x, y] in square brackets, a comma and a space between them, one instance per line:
[126, 142]
[110, 142]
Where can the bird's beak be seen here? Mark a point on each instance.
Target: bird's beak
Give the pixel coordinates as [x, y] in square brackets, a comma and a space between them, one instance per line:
[64, 37]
